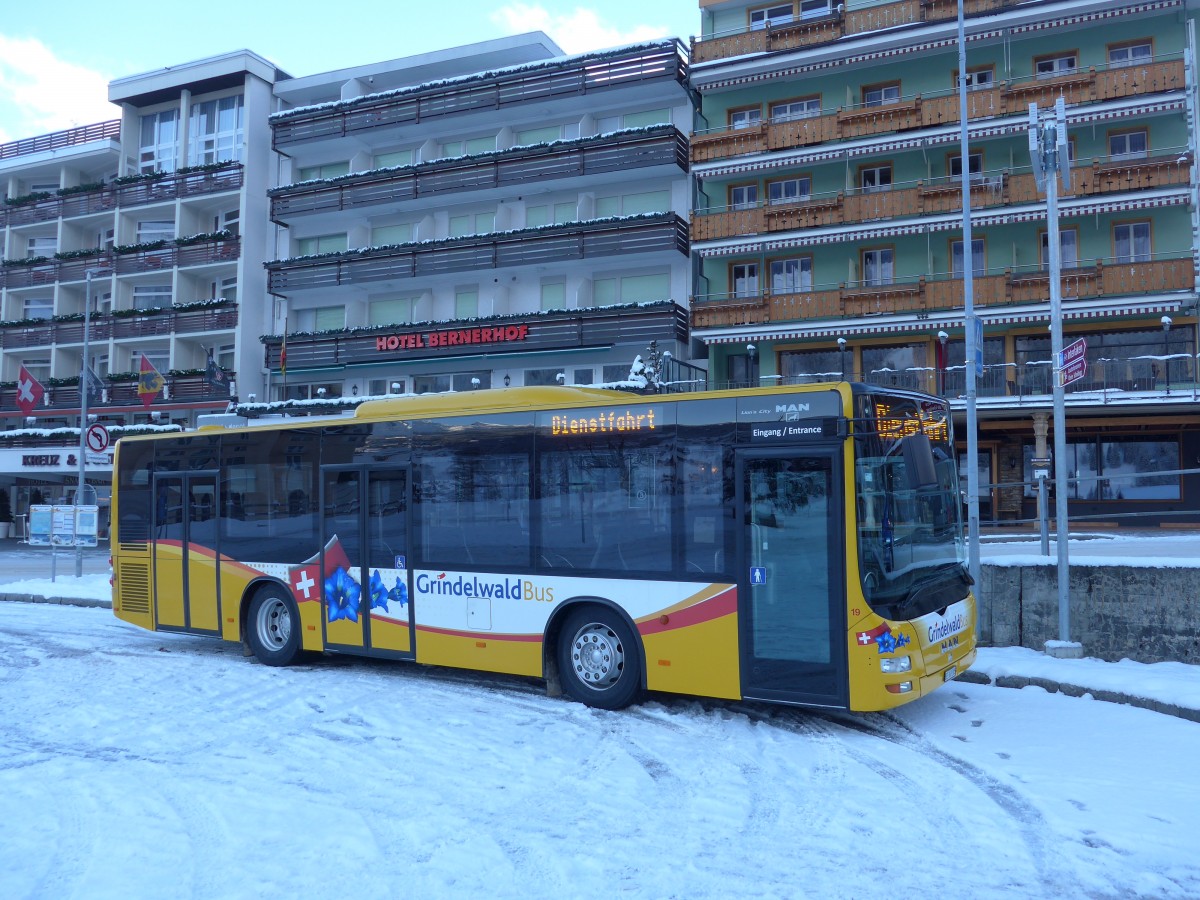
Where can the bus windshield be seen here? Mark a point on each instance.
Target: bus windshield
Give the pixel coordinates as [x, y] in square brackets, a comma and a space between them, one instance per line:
[912, 555]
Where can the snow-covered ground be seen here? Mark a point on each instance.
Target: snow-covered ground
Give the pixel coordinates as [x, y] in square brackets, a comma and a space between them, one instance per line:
[141, 764]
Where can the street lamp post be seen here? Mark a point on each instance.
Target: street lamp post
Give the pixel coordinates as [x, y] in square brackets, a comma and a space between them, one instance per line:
[942, 338]
[1166, 324]
[752, 357]
[842, 355]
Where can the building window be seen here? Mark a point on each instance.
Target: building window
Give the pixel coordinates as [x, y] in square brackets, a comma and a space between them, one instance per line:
[745, 118]
[320, 318]
[42, 246]
[322, 243]
[224, 357]
[323, 172]
[789, 190]
[38, 307]
[159, 134]
[743, 279]
[974, 166]
[1132, 54]
[875, 178]
[779, 14]
[544, 135]
[979, 79]
[790, 110]
[879, 94]
[1131, 242]
[395, 311]
[1128, 145]
[394, 159]
[631, 289]
[472, 223]
[151, 230]
[1068, 242]
[743, 196]
[633, 204]
[1053, 66]
[791, 276]
[386, 235]
[225, 289]
[544, 377]
[812, 9]
[216, 131]
[554, 295]
[978, 260]
[151, 296]
[551, 214]
[468, 147]
[466, 303]
[878, 267]
[39, 368]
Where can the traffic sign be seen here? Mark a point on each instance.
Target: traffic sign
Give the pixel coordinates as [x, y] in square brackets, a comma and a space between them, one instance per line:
[97, 438]
[1072, 371]
[1073, 352]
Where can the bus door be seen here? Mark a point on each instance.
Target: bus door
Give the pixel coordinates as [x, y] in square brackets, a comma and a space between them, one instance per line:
[186, 576]
[366, 590]
[792, 583]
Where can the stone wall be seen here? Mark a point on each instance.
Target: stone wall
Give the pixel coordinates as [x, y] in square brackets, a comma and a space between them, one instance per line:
[1117, 612]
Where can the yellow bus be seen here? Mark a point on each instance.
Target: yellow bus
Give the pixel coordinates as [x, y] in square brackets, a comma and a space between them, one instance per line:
[799, 544]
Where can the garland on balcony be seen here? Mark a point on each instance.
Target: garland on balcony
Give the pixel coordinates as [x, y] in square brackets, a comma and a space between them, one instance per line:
[62, 382]
[143, 247]
[365, 330]
[81, 189]
[122, 180]
[80, 254]
[206, 167]
[193, 305]
[125, 377]
[207, 237]
[26, 199]
[27, 261]
[73, 433]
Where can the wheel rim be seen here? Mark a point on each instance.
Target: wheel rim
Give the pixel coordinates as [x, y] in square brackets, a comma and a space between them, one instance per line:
[274, 625]
[597, 656]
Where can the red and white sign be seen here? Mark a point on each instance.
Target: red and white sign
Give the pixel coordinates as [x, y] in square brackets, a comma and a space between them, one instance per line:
[97, 438]
[1072, 362]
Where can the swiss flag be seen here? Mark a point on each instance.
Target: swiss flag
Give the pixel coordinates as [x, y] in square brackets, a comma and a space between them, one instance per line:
[29, 392]
[305, 579]
[867, 638]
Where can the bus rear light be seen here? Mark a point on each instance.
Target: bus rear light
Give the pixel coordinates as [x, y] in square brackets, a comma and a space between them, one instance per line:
[903, 687]
[896, 666]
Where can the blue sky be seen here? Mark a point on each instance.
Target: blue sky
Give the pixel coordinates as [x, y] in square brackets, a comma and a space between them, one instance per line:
[56, 61]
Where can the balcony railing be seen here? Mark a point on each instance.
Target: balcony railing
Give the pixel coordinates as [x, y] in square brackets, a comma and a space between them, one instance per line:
[181, 389]
[994, 189]
[70, 137]
[56, 270]
[535, 83]
[104, 327]
[598, 326]
[926, 111]
[1103, 278]
[662, 145]
[656, 232]
[810, 32]
[112, 196]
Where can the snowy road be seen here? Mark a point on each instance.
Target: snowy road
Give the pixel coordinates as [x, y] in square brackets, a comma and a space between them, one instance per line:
[137, 765]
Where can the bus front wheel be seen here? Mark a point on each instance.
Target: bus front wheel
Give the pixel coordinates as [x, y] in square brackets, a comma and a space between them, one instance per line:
[273, 628]
[599, 660]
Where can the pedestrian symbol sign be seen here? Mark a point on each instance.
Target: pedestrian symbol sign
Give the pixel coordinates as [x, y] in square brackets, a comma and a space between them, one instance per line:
[758, 575]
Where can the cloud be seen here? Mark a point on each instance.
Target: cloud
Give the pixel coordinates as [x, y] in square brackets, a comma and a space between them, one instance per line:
[40, 93]
[577, 31]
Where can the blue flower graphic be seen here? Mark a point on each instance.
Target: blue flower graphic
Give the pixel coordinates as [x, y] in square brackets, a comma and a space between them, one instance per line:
[399, 594]
[342, 596]
[889, 643]
[379, 593]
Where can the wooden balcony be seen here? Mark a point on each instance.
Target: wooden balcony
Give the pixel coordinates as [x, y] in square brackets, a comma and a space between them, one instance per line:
[943, 196]
[568, 329]
[659, 146]
[826, 29]
[576, 76]
[106, 327]
[533, 246]
[114, 196]
[926, 295]
[1007, 98]
[186, 390]
[168, 258]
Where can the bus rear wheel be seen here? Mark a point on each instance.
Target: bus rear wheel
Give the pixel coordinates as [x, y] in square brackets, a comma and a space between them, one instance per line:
[599, 660]
[273, 628]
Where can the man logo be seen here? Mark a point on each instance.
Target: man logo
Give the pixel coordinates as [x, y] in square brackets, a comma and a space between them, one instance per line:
[790, 412]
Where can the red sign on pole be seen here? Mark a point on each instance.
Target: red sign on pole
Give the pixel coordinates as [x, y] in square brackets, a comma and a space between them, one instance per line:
[1072, 362]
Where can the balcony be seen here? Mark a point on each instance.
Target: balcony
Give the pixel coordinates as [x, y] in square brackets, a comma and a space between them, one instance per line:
[658, 146]
[56, 270]
[568, 329]
[103, 327]
[114, 196]
[189, 390]
[919, 296]
[1007, 98]
[70, 137]
[651, 233]
[995, 189]
[811, 32]
[573, 77]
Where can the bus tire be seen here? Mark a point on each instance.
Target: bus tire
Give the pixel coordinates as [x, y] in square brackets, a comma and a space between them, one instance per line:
[273, 628]
[599, 659]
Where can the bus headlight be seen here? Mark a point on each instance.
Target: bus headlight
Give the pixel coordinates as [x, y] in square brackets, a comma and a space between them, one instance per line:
[895, 666]
[903, 687]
